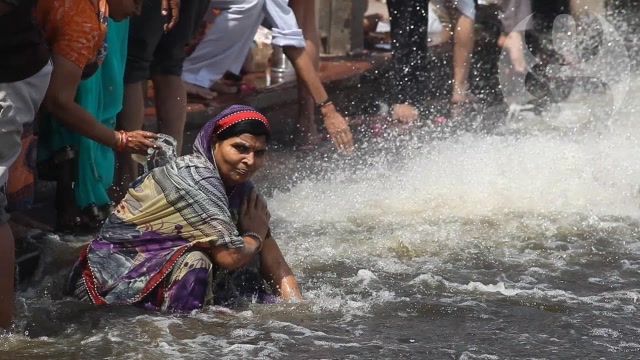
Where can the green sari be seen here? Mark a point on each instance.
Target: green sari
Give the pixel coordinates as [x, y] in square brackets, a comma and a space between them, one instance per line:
[101, 95]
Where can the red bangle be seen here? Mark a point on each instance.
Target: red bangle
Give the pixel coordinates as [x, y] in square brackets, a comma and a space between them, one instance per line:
[123, 140]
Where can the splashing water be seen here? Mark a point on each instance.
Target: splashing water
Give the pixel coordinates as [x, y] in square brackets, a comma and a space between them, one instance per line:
[524, 243]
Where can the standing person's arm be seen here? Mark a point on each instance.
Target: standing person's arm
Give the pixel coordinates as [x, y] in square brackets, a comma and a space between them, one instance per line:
[60, 101]
[335, 123]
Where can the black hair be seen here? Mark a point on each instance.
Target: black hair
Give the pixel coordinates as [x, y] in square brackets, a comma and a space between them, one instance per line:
[251, 126]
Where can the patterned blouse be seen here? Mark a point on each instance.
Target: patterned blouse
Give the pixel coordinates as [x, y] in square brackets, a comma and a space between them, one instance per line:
[76, 29]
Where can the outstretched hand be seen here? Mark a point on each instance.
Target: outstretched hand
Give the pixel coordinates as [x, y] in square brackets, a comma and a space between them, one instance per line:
[171, 9]
[139, 141]
[338, 129]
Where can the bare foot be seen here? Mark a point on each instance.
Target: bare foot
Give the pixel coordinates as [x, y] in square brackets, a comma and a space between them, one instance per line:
[222, 88]
[404, 113]
[199, 91]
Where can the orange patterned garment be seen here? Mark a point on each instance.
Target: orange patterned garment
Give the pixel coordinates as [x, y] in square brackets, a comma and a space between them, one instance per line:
[74, 29]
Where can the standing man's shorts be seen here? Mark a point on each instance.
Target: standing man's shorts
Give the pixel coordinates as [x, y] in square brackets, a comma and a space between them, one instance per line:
[19, 102]
[152, 51]
[465, 7]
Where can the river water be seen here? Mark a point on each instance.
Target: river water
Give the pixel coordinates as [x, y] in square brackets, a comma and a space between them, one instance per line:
[523, 243]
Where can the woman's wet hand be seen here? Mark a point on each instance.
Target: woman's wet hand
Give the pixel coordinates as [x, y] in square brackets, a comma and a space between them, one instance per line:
[338, 129]
[254, 215]
[140, 141]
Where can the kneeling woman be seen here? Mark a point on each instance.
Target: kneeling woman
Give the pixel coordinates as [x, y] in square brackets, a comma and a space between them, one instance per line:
[190, 233]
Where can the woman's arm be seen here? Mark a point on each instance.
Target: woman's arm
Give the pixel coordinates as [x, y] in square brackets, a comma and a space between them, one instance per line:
[231, 259]
[276, 271]
[253, 224]
[335, 124]
[60, 101]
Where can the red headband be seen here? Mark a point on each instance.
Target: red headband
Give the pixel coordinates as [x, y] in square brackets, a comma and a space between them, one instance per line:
[231, 119]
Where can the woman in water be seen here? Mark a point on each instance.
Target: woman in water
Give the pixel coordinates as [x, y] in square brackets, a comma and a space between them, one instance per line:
[192, 232]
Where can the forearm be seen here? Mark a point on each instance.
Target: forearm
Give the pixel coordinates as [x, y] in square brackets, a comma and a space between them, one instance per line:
[77, 119]
[277, 272]
[287, 288]
[306, 72]
[231, 259]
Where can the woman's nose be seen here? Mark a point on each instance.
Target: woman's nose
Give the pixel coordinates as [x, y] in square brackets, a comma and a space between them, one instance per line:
[249, 159]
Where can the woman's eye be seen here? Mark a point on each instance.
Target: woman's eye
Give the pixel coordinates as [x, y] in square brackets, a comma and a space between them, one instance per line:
[260, 152]
[241, 148]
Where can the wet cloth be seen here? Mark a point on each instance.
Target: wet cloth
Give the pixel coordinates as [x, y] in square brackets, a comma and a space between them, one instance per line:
[101, 95]
[166, 214]
[226, 43]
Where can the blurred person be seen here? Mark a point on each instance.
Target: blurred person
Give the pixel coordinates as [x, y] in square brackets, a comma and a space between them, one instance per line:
[77, 135]
[514, 14]
[25, 69]
[462, 14]
[192, 233]
[227, 43]
[156, 52]
[409, 60]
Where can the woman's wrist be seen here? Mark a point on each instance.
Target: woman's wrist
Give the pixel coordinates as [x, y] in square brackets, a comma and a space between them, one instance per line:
[256, 237]
[122, 139]
[326, 108]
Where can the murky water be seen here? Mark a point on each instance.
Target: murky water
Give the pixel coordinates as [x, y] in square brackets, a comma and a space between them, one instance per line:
[520, 244]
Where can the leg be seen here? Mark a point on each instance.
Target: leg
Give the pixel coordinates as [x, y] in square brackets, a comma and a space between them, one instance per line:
[409, 33]
[463, 46]
[305, 11]
[224, 46]
[166, 70]
[130, 118]
[190, 283]
[145, 32]
[515, 24]
[7, 258]
[171, 106]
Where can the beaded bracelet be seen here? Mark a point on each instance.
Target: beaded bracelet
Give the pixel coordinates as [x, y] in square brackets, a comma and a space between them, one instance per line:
[255, 235]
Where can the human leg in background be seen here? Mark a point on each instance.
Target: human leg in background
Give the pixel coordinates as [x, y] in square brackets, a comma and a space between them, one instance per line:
[224, 46]
[463, 47]
[145, 32]
[7, 263]
[154, 54]
[409, 33]
[166, 71]
[514, 22]
[19, 102]
[305, 11]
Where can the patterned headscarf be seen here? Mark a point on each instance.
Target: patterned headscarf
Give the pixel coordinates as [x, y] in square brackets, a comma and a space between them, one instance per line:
[229, 116]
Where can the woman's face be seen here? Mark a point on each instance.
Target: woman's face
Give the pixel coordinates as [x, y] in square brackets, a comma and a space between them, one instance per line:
[239, 157]
[122, 9]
